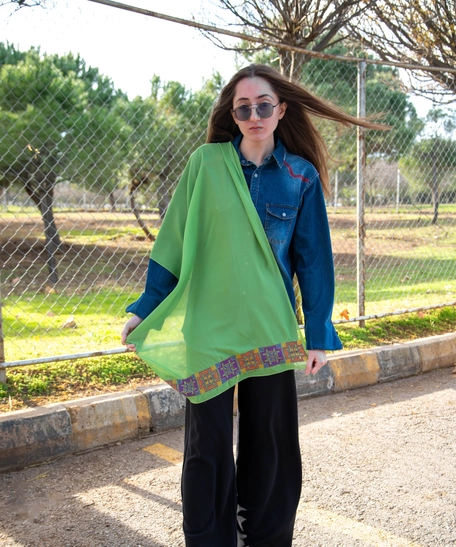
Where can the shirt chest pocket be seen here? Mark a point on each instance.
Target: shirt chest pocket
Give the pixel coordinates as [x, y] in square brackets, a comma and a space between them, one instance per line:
[280, 220]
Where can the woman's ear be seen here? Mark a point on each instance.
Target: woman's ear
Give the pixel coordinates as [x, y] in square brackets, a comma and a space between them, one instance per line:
[283, 107]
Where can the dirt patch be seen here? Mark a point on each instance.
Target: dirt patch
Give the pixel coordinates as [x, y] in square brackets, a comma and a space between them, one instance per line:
[98, 244]
[93, 244]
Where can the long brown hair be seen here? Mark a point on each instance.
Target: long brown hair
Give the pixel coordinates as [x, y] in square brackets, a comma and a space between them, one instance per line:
[296, 129]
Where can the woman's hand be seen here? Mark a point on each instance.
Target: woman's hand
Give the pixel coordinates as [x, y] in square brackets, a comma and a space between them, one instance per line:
[316, 359]
[130, 325]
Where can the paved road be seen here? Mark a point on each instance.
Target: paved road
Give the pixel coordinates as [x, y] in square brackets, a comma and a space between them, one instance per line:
[379, 470]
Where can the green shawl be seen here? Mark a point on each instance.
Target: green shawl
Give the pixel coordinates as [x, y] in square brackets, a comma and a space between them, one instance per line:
[229, 317]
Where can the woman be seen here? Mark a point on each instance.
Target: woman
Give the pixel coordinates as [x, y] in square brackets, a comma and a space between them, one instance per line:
[247, 215]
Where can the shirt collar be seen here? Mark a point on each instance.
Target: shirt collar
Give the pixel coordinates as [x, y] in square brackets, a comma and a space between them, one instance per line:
[278, 154]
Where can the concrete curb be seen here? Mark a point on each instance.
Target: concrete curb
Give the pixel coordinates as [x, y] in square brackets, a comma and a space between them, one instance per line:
[34, 436]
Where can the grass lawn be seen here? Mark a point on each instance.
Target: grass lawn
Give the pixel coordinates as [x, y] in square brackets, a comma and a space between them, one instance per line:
[42, 384]
[409, 263]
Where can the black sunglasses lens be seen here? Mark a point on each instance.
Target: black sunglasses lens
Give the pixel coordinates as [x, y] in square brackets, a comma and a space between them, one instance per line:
[265, 110]
[242, 113]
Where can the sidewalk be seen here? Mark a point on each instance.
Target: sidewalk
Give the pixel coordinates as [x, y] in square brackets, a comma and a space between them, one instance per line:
[28, 437]
[378, 471]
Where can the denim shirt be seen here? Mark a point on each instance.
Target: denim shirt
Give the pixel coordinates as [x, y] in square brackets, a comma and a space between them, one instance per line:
[288, 197]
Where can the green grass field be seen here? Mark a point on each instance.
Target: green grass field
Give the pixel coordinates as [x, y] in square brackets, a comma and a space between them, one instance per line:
[409, 263]
[42, 384]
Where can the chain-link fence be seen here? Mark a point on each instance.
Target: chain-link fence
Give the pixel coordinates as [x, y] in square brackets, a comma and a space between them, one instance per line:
[86, 174]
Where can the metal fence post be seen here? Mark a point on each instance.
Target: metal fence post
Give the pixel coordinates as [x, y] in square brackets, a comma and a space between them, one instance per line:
[360, 169]
[336, 190]
[2, 343]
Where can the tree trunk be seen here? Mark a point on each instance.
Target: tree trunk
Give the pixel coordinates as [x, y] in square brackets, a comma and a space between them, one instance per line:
[52, 237]
[112, 201]
[165, 191]
[164, 199]
[141, 222]
[42, 194]
[435, 199]
[291, 64]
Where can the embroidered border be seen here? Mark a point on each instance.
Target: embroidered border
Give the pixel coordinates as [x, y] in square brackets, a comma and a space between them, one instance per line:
[218, 374]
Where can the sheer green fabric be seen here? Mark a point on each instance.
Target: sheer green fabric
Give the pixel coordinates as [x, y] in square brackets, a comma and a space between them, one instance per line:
[229, 317]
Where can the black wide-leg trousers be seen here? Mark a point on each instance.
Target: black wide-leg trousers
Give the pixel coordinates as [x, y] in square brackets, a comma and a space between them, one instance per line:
[253, 502]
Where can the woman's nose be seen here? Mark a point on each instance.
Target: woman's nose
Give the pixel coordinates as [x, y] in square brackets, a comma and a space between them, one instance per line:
[254, 114]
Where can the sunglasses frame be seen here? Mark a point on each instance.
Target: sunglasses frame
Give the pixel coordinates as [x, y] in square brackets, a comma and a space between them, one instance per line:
[255, 106]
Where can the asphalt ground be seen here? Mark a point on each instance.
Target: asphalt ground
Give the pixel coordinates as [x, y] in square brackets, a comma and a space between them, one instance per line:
[379, 470]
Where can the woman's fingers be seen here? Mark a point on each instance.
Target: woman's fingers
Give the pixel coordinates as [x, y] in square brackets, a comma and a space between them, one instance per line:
[316, 359]
[129, 326]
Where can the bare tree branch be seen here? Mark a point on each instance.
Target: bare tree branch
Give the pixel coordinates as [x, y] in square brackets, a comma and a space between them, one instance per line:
[308, 24]
[415, 32]
[26, 3]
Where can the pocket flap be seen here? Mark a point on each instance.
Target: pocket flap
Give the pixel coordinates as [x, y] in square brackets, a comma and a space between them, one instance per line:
[283, 212]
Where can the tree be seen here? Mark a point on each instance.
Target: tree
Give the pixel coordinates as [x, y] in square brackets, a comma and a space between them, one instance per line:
[99, 135]
[310, 24]
[337, 82]
[52, 113]
[99, 140]
[431, 162]
[9, 55]
[419, 32]
[165, 128]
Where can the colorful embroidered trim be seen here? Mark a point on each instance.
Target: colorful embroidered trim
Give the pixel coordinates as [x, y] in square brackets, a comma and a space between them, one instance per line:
[218, 374]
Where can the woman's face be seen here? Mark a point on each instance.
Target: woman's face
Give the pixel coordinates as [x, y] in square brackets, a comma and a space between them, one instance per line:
[257, 91]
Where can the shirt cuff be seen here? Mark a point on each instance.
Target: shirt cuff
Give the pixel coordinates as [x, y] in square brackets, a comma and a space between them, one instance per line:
[144, 306]
[325, 338]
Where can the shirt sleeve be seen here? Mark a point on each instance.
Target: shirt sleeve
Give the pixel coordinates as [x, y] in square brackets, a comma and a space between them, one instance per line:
[312, 259]
[160, 282]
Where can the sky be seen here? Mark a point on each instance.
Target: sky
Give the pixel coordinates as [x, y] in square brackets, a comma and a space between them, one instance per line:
[127, 47]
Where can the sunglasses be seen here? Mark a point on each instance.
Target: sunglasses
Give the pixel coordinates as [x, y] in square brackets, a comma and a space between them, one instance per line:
[264, 110]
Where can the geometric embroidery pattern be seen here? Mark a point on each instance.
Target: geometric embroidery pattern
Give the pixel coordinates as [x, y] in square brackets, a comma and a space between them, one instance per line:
[229, 368]
[293, 352]
[272, 356]
[249, 361]
[218, 374]
[208, 379]
[188, 386]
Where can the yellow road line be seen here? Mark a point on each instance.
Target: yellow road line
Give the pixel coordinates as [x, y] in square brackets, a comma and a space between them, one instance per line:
[165, 453]
[349, 527]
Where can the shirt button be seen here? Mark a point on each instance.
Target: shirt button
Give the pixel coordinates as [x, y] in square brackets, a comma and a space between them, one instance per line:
[255, 175]
[284, 214]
